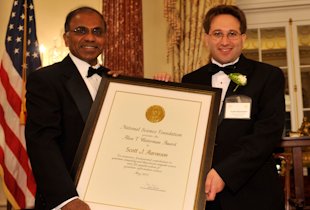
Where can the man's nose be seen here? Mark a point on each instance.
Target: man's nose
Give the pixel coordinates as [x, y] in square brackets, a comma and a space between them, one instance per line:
[225, 39]
[89, 36]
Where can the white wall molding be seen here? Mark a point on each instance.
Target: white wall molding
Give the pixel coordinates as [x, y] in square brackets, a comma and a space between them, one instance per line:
[274, 11]
[269, 4]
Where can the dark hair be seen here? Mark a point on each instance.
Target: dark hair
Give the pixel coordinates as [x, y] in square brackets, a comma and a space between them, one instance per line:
[79, 10]
[225, 9]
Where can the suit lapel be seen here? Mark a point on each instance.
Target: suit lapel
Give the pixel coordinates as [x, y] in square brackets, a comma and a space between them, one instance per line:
[229, 92]
[209, 83]
[77, 88]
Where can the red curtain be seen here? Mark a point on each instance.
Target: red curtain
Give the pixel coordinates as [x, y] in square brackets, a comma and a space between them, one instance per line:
[124, 38]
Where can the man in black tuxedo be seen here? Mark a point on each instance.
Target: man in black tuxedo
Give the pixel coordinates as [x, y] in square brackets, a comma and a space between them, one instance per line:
[59, 98]
[243, 174]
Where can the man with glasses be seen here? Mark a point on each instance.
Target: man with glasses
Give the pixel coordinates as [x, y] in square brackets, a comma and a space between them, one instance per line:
[251, 120]
[59, 98]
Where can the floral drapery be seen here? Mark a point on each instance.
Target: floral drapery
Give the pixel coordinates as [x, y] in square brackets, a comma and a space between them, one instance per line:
[185, 47]
[124, 43]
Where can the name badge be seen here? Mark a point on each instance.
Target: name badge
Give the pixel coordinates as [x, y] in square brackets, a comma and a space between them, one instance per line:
[238, 107]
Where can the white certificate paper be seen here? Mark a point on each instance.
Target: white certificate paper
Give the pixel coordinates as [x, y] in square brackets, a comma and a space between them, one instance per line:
[146, 150]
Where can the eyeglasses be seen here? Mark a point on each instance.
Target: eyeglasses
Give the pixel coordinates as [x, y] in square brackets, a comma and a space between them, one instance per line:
[218, 35]
[82, 31]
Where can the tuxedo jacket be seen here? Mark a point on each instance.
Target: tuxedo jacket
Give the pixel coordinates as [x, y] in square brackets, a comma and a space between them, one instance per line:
[244, 147]
[58, 103]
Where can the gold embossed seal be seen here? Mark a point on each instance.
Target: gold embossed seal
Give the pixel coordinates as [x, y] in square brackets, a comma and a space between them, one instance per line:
[155, 113]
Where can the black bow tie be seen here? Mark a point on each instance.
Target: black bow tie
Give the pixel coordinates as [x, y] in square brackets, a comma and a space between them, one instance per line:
[227, 69]
[92, 71]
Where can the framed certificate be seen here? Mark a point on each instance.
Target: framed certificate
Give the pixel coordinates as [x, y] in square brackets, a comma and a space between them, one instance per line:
[147, 145]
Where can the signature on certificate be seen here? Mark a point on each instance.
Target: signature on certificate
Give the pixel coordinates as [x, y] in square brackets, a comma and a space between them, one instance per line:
[154, 187]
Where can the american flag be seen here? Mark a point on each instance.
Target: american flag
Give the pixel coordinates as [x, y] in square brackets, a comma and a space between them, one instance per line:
[20, 57]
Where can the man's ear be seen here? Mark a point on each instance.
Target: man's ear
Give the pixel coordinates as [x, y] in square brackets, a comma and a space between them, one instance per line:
[65, 37]
[206, 38]
[243, 37]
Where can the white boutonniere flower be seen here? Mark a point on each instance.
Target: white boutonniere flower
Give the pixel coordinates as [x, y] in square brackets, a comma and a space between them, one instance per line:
[239, 79]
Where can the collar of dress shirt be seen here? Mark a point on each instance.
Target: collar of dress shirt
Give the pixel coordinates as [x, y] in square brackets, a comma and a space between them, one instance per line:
[81, 65]
[226, 64]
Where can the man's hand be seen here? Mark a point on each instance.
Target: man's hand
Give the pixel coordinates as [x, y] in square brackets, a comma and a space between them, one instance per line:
[76, 204]
[115, 73]
[214, 184]
[163, 77]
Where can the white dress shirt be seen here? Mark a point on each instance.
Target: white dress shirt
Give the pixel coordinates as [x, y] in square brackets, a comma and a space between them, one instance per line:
[221, 80]
[92, 82]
